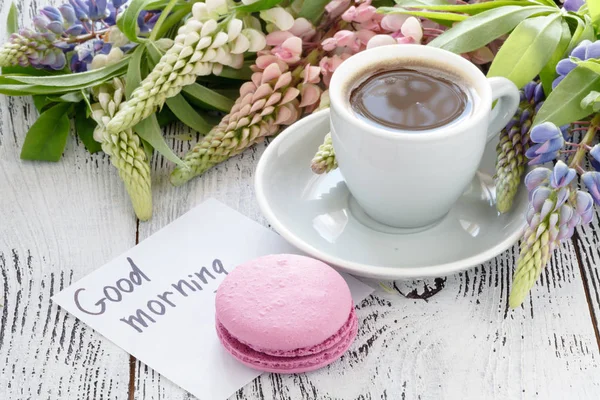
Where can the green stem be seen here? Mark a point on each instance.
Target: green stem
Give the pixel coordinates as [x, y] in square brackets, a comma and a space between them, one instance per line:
[586, 141]
[163, 16]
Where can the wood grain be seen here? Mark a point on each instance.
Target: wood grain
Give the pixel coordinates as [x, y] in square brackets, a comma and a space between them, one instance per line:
[58, 222]
[451, 337]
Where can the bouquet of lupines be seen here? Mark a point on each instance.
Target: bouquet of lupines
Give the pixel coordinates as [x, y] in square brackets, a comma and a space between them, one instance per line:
[123, 69]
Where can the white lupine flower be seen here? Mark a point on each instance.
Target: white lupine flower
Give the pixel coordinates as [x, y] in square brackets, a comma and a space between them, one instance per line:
[124, 148]
[278, 17]
[202, 46]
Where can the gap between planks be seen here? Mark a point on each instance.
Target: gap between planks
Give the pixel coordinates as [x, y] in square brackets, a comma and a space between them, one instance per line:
[132, 359]
[586, 288]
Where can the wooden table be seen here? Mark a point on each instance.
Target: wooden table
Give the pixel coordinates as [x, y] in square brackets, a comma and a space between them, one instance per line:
[449, 338]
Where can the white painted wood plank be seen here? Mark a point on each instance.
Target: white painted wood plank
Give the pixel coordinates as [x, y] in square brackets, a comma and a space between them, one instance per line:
[587, 245]
[462, 342]
[58, 222]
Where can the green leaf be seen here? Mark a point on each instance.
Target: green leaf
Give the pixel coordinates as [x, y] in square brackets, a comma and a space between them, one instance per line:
[186, 114]
[148, 149]
[12, 21]
[41, 102]
[85, 129]
[312, 10]
[588, 31]
[134, 73]
[470, 9]
[481, 29]
[563, 106]
[17, 69]
[442, 18]
[127, 22]
[591, 100]
[592, 65]
[165, 117]
[174, 18]
[204, 97]
[47, 137]
[260, 5]
[244, 73]
[528, 48]
[79, 80]
[71, 97]
[150, 131]
[594, 10]
[548, 73]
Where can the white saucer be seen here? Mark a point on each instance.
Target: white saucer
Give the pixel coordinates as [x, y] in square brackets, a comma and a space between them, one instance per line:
[315, 214]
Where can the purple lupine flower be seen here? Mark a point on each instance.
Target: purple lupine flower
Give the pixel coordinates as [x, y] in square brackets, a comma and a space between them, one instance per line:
[537, 177]
[548, 139]
[85, 52]
[591, 179]
[90, 9]
[562, 175]
[583, 51]
[584, 206]
[147, 19]
[572, 5]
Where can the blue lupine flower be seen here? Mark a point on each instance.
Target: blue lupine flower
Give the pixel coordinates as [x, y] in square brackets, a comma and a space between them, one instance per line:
[549, 140]
[583, 51]
[85, 52]
[537, 177]
[572, 5]
[147, 19]
[591, 179]
[584, 206]
[562, 175]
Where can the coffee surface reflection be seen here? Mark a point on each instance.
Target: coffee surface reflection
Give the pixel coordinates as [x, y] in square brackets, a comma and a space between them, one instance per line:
[409, 100]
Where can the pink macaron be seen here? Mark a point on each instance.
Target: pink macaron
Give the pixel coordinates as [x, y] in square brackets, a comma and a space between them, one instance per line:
[285, 313]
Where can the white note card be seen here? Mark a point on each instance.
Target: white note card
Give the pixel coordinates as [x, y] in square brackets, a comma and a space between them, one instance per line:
[157, 300]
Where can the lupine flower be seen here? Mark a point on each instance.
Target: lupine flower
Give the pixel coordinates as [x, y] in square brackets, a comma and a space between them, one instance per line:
[266, 103]
[147, 19]
[561, 175]
[324, 161]
[548, 141]
[85, 53]
[537, 177]
[572, 5]
[555, 210]
[591, 179]
[124, 148]
[278, 17]
[514, 140]
[583, 51]
[202, 46]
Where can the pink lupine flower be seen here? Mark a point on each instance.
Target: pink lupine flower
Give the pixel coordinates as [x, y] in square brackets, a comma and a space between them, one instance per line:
[289, 51]
[278, 37]
[309, 94]
[303, 28]
[393, 22]
[329, 64]
[311, 74]
[335, 8]
[482, 55]
[380, 40]
[363, 13]
[412, 28]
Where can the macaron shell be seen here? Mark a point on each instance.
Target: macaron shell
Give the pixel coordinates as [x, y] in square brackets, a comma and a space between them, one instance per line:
[281, 303]
[298, 364]
[332, 341]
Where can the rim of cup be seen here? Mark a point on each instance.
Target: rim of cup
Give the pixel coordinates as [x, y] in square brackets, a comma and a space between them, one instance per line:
[348, 74]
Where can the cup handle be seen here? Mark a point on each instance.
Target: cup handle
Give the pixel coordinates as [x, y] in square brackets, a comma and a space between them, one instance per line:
[508, 98]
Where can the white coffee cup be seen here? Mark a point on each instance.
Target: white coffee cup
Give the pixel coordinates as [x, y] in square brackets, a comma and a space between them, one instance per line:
[412, 179]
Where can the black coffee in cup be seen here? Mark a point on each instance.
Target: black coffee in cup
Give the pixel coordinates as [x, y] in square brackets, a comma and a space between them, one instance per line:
[410, 99]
